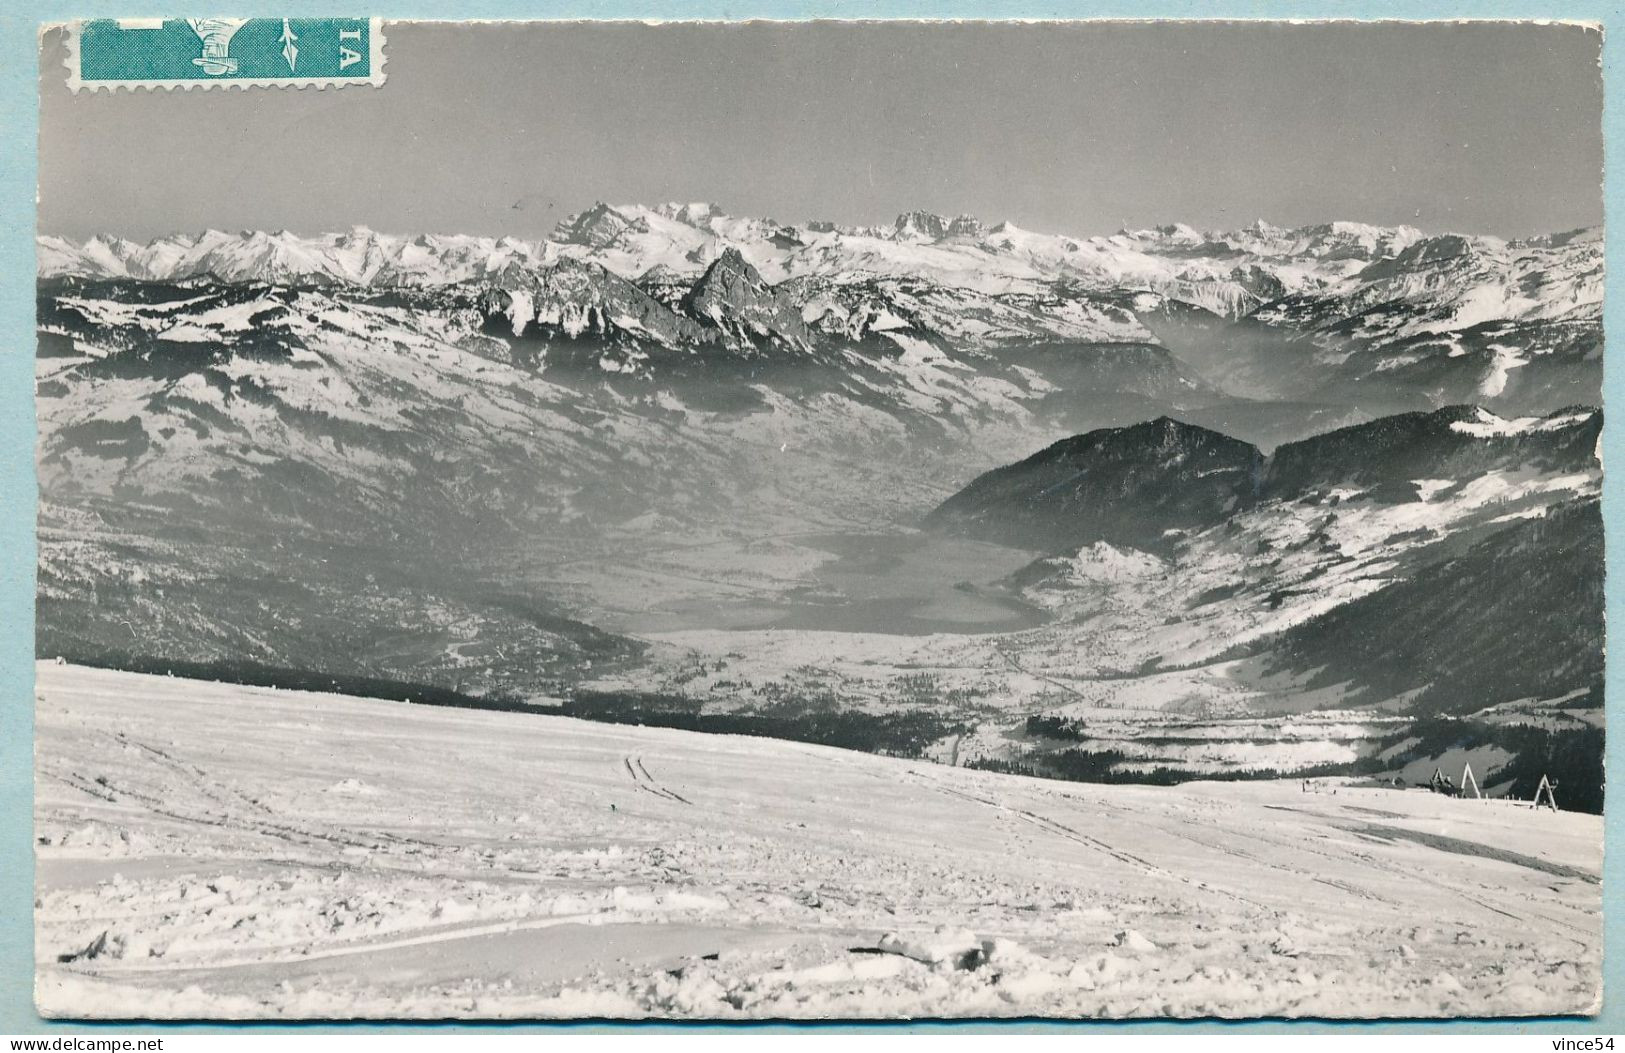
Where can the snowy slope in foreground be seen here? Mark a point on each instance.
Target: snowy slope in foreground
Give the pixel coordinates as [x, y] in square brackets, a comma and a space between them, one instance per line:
[256, 853]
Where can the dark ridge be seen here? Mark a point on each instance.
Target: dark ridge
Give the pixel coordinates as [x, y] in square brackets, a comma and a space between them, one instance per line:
[1137, 485]
[1519, 615]
[1146, 484]
[1397, 449]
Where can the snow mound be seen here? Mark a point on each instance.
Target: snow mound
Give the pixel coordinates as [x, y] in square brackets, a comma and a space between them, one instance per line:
[352, 787]
[1103, 562]
[1133, 942]
[946, 945]
[92, 840]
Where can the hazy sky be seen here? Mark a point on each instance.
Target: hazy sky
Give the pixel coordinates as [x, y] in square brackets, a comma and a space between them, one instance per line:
[504, 128]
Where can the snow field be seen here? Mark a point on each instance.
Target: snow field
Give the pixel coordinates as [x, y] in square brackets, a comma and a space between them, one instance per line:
[214, 850]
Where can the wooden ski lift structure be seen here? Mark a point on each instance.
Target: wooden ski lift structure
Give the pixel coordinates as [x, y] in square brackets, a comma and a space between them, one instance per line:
[1440, 783]
[1544, 790]
[1467, 780]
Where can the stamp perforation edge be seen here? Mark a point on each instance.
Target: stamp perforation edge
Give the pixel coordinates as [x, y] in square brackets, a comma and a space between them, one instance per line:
[377, 57]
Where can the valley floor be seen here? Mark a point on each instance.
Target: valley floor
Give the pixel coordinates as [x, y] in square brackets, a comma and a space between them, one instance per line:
[214, 850]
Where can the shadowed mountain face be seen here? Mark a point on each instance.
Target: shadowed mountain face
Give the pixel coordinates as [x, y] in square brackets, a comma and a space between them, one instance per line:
[1139, 486]
[1145, 486]
[1517, 615]
[1457, 442]
[746, 309]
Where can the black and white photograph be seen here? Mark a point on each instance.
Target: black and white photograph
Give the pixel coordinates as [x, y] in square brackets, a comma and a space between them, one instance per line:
[828, 520]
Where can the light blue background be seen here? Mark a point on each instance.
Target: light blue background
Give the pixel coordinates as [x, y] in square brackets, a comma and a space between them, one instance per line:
[19, 122]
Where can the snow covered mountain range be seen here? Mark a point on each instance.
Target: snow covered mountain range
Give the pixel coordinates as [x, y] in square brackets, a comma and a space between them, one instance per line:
[652, 456]
[680, 240]
[1390, 311]
[1230, 272]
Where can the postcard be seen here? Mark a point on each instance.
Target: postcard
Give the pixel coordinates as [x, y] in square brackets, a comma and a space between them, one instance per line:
[829, 520]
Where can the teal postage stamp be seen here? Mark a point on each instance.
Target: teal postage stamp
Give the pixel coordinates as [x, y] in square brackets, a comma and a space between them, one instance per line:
[241, 52]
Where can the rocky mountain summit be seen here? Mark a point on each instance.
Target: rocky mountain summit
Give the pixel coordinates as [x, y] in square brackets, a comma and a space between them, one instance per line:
[1384, 319]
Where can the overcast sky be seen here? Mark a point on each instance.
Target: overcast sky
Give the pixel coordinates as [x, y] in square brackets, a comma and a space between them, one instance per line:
[1081, 129]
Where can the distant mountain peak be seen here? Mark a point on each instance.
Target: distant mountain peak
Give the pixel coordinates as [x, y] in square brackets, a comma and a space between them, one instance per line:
[732, 295]
[696, 214]
[728, 271]
[598, 227]
[663, 274]
[921, 225]
[1181, 232]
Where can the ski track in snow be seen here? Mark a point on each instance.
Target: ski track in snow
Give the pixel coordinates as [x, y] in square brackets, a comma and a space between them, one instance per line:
[214, 850]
